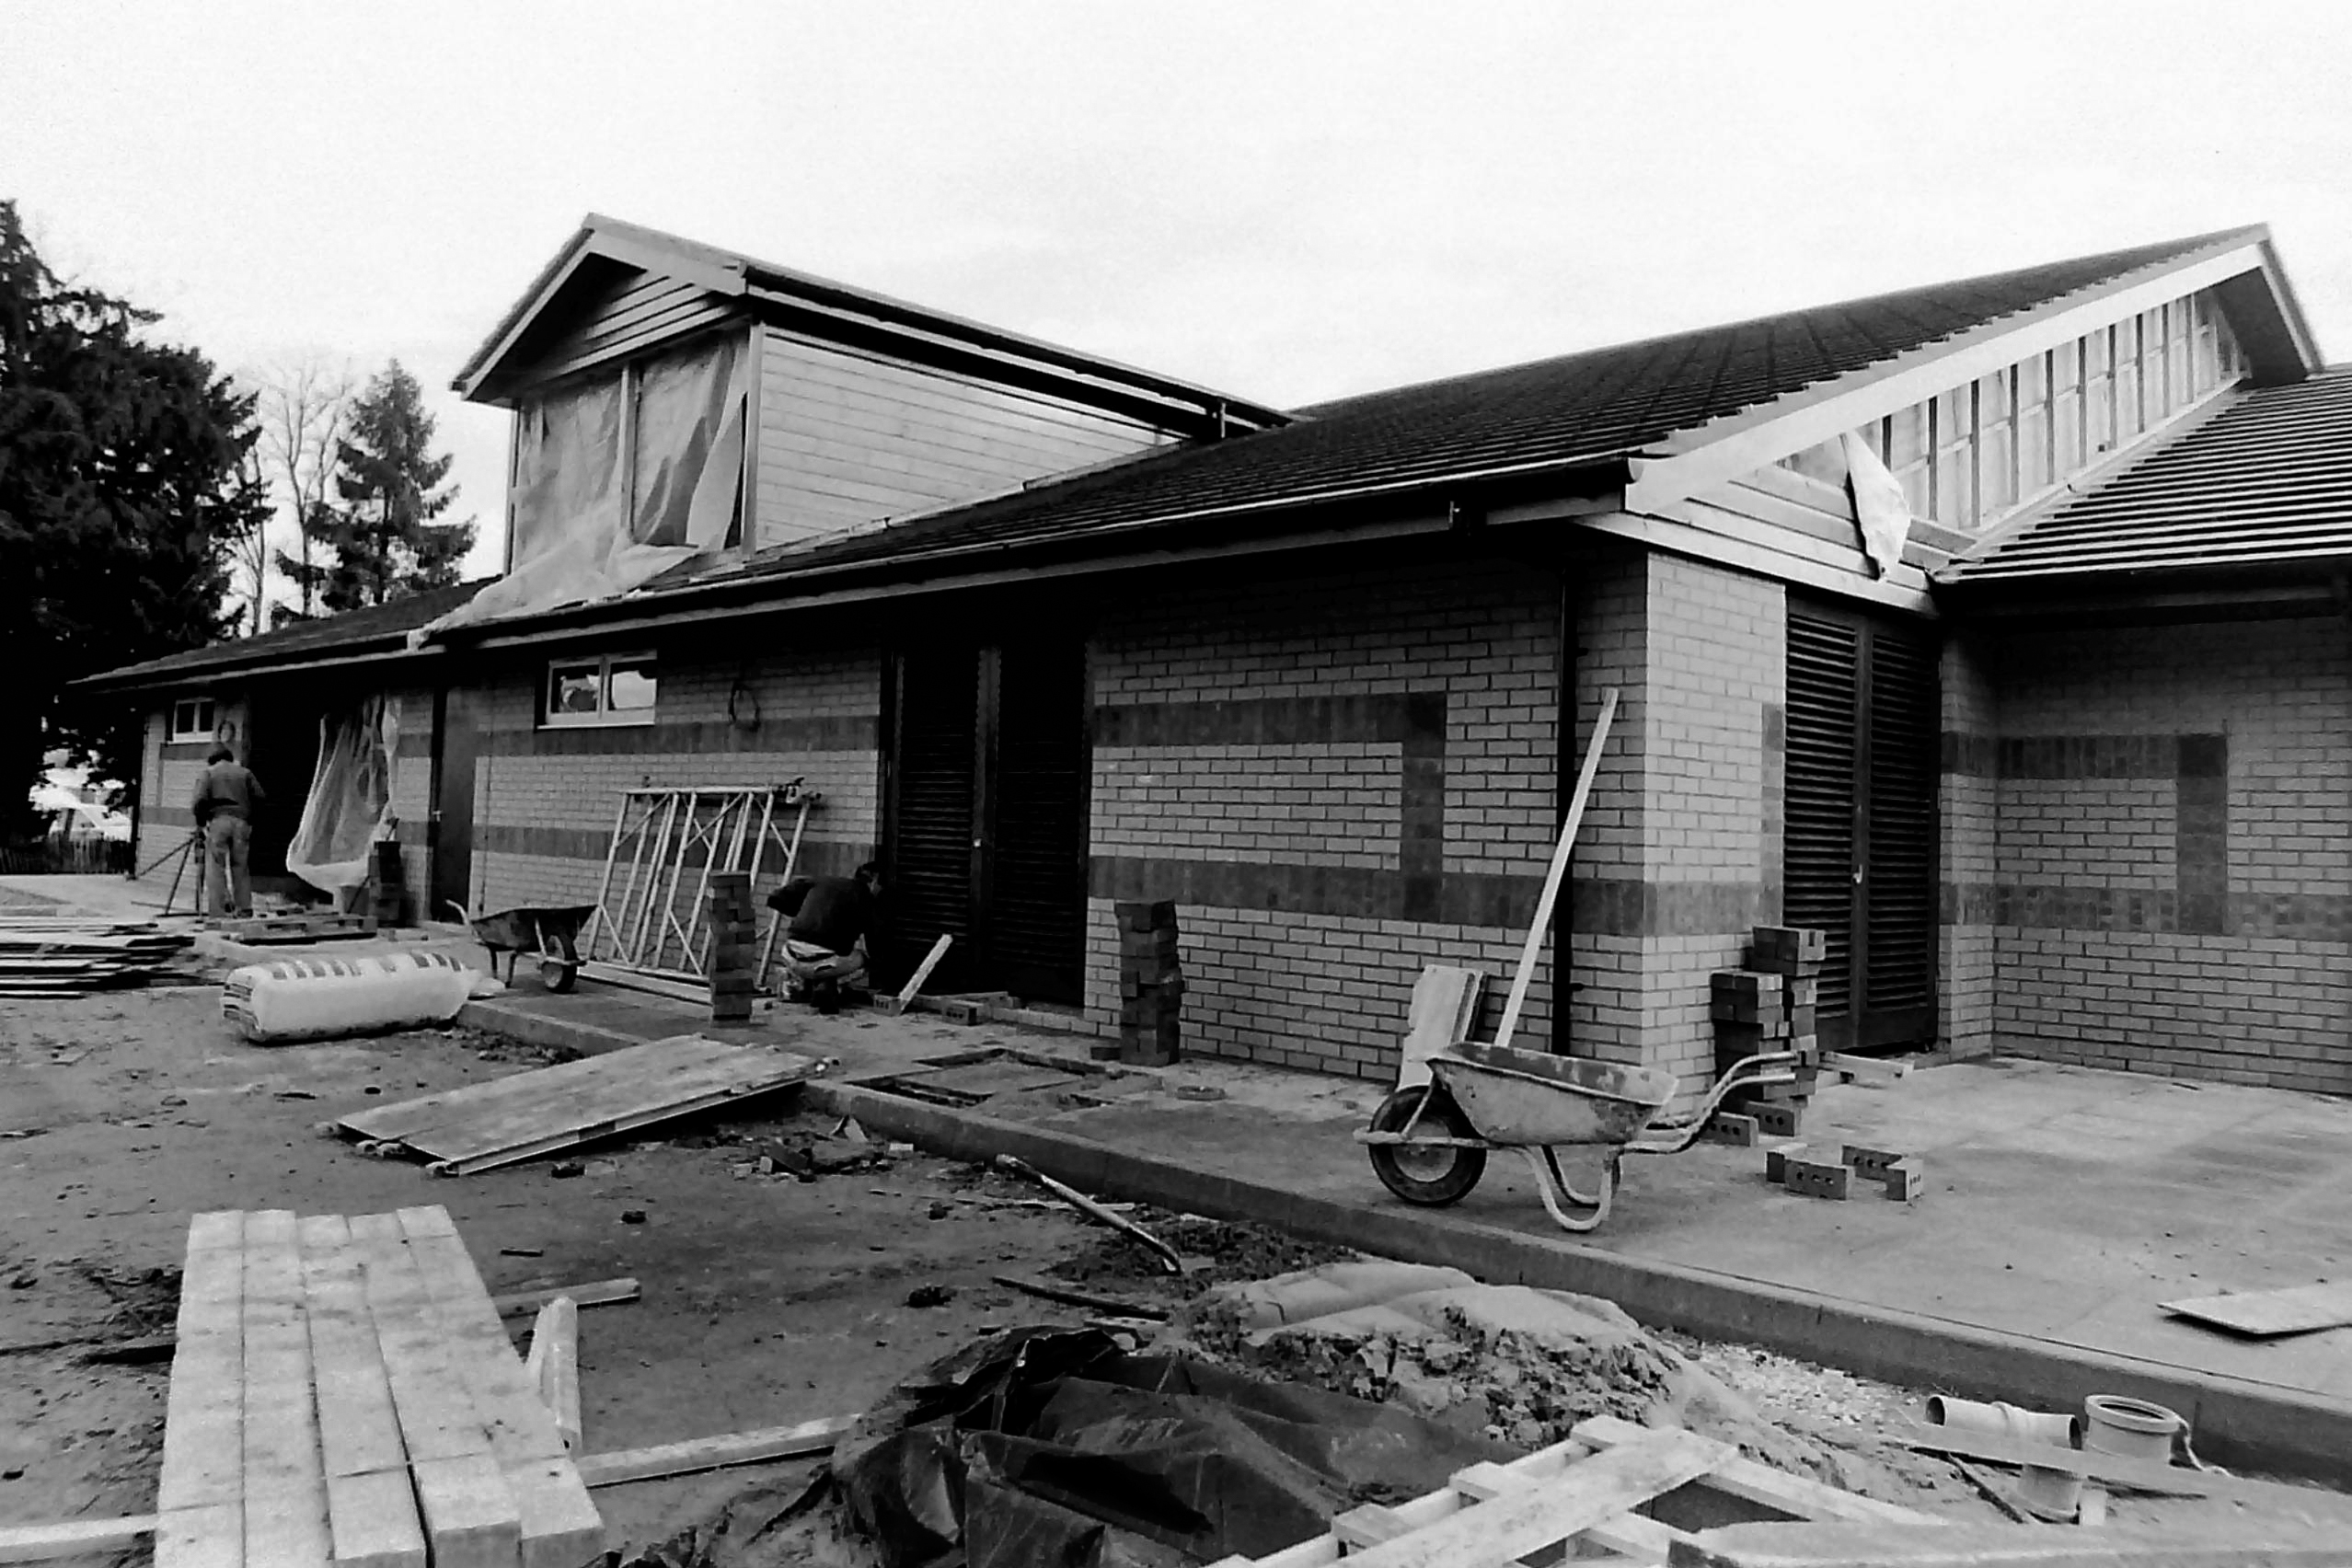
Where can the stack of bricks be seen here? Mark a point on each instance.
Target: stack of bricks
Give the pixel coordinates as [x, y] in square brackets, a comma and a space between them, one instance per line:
[1151, 985]
[733, 961]
[1770, 1005]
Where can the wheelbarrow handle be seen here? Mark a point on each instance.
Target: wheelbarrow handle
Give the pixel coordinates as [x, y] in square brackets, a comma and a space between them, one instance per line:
[1765, 1066]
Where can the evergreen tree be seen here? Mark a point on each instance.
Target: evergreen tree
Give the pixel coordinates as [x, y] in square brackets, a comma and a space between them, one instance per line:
[382, 541]
[124, 490]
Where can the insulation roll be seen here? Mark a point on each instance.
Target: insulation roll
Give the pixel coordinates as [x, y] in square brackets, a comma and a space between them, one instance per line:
[314, 998]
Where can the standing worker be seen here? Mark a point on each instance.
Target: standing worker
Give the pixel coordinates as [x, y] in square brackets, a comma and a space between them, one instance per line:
[226, 797]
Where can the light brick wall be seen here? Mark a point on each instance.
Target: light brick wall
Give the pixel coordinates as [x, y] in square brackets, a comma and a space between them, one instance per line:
[1309, 759]
[2173, 873]
[1967, 848]
[544, 799]
[1680, 853]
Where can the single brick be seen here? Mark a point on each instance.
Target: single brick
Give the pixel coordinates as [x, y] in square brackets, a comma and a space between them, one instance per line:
[1731, 1127]
[1905, 1179]
[1819, 1180]
[1775, 1121]
[1777, 1158]
[1870, 1164]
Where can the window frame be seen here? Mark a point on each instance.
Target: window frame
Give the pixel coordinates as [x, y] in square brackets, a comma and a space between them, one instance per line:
[210, 710]
[605, 716]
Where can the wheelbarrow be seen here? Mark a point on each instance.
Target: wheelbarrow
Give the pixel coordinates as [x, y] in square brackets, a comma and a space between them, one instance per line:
[545, 931]
[1429, 1142]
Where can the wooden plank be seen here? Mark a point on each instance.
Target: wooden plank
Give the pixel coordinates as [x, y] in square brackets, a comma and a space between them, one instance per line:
[2265, 1314]
[286, 1528]
[371, 1521]
[1539, 929]
[1739, 1476]
[555, 1353]
[72, 1537]
[2243, 1543]
[211, 1536]
[683, 1099]
[639, 1076]
[284, 1476]
[470, 1518]
[474, 1343]
[359, 1430]
[1445, 1005]
[922, 972]
[596, 1293]
[203, 1449]
[437, 1416]
[1513, 1526]
[756, 1447]
[559, 1524]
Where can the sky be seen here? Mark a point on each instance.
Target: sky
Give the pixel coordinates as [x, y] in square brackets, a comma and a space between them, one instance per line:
[1288, 201]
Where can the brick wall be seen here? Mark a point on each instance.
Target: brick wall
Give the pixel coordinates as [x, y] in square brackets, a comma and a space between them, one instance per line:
[545, 798]
[1680, 852]
[2170, 891]
[1968, 834]
[1341, 778]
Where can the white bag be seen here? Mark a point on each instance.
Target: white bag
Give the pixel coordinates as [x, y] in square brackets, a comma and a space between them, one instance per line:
[312, 998]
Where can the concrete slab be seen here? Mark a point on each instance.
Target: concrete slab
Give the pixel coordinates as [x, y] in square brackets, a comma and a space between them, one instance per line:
[2063, 1206]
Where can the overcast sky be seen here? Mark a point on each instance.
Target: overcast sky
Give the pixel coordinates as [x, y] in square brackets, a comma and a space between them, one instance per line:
[1288, 201]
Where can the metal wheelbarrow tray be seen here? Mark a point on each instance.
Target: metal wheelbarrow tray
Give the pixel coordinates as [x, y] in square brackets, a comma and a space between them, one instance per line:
[1429, 1142]
[548, 932]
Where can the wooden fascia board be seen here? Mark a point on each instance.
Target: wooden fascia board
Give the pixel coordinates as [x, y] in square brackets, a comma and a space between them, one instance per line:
[163, 681]
[2290, 309]
[1906, 588]
[1712, 454]
[594, 244]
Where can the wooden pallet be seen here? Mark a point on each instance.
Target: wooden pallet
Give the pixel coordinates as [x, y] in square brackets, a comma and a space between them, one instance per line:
[1587, 1490]
[342, 1392]
[526, 1114]
[266, 930]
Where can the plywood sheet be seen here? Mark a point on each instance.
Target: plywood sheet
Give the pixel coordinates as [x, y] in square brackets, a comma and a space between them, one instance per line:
[534, 1113]
[2267, 1314]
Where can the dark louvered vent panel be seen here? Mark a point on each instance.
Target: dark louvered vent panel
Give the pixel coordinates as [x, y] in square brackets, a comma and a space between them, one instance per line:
[1817, 849]
[931, 891]
[1904, 717]
[1037, 893]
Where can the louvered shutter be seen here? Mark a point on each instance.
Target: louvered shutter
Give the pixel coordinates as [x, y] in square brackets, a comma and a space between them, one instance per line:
[1899, 896]
[1822, 782]
[930, 890]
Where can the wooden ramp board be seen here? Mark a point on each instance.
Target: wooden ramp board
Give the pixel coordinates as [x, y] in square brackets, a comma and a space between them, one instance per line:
[344, 1395]
[535, 1113]
[2267, 1314]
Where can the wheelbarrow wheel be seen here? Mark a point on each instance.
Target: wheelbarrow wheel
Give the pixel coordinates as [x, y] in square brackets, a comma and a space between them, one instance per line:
[556, 976]
[1434, 1174]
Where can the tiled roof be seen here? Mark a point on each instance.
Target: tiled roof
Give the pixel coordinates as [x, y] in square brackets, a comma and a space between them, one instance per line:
[2266, 483]
[1556, 414]
[353, 632]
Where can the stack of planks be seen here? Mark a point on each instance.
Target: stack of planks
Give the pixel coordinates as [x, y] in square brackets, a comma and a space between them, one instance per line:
[342, 1392]
[59, 955]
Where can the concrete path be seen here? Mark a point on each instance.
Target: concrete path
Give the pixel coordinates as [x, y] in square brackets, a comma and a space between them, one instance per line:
[2063, 1204]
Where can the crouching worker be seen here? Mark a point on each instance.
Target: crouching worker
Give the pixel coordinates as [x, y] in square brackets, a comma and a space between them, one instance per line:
[825, 945]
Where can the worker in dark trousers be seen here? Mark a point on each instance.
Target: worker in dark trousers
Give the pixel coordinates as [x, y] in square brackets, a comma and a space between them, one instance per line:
[226, 797]
[825, 943]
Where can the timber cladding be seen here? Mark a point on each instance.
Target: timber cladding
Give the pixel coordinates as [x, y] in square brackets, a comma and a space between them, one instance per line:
[2169, 880]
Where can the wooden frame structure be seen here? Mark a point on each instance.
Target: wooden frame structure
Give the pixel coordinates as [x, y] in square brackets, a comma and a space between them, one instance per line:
[668, 842]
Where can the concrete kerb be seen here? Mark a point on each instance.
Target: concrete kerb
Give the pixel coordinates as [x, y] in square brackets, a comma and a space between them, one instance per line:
[2237, 1421]
[535, 1028]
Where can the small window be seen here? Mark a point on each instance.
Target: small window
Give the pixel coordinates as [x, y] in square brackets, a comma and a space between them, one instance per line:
[616, 689]
[193, 718]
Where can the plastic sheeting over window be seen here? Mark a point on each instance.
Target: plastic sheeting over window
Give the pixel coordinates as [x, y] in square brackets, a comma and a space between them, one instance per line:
[351, 795]
[577, 537]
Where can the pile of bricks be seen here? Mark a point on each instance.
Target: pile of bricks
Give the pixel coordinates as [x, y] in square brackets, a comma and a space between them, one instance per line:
[733, 962]
[1769, 1005]
[1151, 985]
[1831, 1172]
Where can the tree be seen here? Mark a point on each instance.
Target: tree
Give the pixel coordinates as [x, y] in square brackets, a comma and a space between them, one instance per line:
[382, 543]
[304, 410]
[120, 501]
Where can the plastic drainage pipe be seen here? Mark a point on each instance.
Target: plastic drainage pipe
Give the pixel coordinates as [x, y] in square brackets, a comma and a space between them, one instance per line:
[2004, 1420]
[2132, 1428]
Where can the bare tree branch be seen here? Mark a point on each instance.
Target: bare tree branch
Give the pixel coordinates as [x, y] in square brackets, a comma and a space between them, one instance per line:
[303, 411]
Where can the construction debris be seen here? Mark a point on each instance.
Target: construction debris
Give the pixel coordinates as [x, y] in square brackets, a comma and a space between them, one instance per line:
[1047, 1290]
[2269, 1314]
[526, 1114]
[60, 956]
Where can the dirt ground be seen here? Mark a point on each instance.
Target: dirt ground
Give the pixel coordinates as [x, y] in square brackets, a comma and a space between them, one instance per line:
[766, 1298]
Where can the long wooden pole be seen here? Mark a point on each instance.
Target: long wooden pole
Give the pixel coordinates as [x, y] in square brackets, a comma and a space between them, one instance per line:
[1525, 973]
